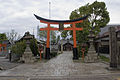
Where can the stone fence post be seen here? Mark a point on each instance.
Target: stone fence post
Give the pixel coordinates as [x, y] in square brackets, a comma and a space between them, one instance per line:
[113, 47]
[118, 49]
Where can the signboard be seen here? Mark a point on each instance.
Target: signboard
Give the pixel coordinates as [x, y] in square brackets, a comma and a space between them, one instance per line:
[61, 26]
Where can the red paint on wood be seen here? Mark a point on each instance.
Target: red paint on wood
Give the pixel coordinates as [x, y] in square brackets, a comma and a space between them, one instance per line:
[74, 35]
[48, 29]
[48, 36]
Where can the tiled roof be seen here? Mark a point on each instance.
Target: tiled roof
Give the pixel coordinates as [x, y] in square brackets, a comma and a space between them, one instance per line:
[104, 31]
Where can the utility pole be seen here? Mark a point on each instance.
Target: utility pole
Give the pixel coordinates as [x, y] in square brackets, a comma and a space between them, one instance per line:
[49, 10]
[33, 31]
[49, 18]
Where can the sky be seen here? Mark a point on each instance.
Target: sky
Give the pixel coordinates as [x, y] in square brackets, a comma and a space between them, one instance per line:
[18, 14]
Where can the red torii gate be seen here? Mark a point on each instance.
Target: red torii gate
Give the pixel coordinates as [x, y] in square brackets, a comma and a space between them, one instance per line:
[61, 27]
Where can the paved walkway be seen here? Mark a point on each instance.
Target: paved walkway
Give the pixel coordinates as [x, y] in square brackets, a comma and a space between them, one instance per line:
[5, 64]
[60, 67]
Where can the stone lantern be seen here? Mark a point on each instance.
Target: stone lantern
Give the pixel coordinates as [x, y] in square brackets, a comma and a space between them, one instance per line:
[91, 55]
[28, 57]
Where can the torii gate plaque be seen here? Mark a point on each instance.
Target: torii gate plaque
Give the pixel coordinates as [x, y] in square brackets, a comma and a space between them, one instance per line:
[61, 27]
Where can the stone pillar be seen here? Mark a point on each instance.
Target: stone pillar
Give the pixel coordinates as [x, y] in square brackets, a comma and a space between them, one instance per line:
[61, 46]
[118, 53]
[44, 51]
[118, 49]
[113, 47]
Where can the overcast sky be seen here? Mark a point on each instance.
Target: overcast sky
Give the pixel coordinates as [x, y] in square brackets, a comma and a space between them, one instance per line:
[18, 14]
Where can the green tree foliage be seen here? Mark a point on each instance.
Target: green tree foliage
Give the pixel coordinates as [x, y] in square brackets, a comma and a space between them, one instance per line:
[43, 35]
[53, 36]
[98, 18]
[2, 37]
[34, 47]
[64, 34]
[58, 38]
[18, 48]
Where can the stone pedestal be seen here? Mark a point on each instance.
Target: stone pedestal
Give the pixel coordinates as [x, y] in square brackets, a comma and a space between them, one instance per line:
[91, 55]
[28, 57]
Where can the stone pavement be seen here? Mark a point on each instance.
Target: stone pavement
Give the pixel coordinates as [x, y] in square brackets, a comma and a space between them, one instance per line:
[5, 64]
[61, 67]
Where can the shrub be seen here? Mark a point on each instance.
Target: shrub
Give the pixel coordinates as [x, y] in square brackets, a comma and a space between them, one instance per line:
[18, 49]
[34, 47]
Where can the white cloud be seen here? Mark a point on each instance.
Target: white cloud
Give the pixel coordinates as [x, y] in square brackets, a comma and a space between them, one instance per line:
[18, 14]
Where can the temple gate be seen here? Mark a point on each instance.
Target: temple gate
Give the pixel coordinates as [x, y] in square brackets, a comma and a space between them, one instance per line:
[61, 27]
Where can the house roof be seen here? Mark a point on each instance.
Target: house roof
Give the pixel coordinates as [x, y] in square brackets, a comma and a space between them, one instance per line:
[65, 41]
[5, 42]
[104, 34]
[104, 31]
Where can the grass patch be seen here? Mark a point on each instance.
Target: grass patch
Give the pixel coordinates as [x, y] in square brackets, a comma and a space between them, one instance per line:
[103, 58]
